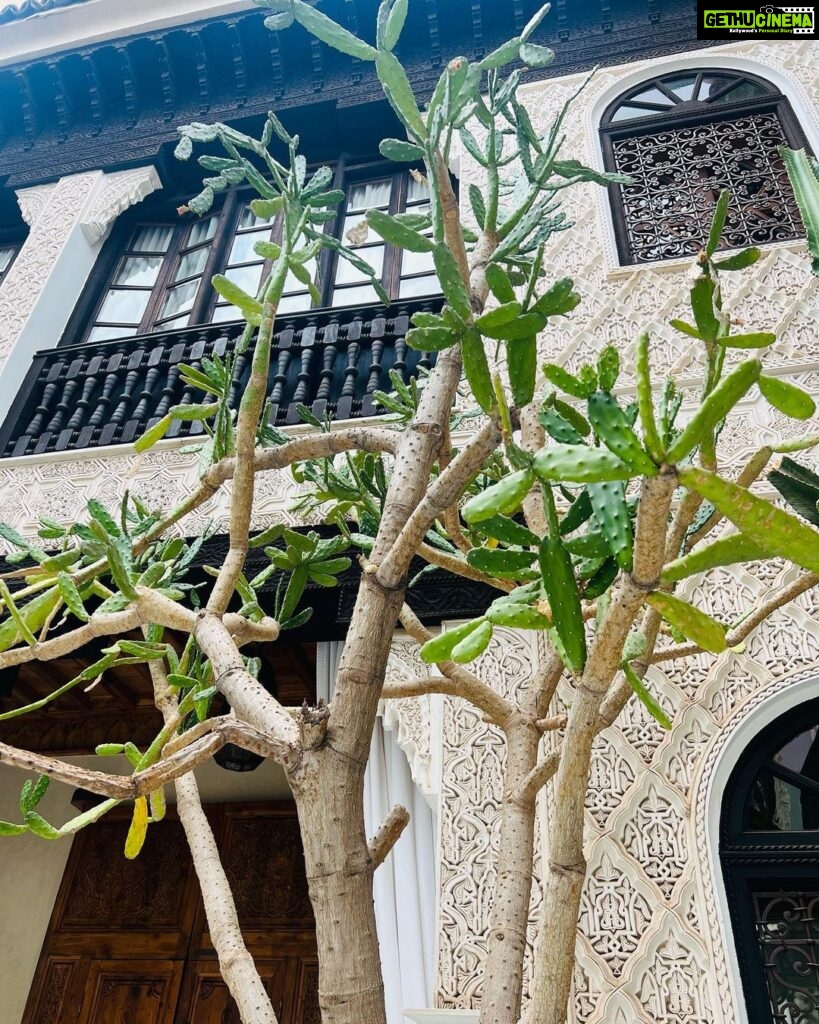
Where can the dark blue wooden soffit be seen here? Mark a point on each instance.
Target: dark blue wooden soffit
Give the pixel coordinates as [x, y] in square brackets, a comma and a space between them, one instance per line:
[117, 103]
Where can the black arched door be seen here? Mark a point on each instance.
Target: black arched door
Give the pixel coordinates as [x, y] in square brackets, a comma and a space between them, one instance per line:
[769, 848]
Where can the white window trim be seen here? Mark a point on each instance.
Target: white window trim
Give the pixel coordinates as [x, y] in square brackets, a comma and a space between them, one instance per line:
[779, 697]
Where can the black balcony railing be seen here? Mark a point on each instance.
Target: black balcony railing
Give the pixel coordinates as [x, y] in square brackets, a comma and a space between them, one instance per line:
[88, 396]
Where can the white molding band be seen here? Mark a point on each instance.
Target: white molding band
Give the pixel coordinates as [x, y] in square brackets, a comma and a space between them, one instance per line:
[94, 21]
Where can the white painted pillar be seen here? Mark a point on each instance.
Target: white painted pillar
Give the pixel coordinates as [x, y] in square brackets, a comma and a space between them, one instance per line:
[69, 221]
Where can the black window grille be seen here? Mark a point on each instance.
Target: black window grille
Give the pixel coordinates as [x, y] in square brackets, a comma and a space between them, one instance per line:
[683, 137]
[770, 857]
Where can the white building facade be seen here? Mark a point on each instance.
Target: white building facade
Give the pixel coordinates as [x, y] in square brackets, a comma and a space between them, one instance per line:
[659, 940]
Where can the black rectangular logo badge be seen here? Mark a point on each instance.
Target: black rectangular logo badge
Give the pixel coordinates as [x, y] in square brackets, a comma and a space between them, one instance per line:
[717, 20]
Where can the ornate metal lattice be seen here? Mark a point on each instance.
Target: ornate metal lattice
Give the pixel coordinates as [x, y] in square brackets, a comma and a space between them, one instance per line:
[788, 928]
[669, 138]
[679, 174]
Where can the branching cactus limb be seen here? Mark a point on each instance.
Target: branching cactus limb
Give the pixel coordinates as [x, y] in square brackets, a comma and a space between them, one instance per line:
[236, 964]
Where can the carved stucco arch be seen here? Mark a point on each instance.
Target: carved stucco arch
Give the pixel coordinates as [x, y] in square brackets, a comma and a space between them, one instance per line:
[615, 81]
[722, 755]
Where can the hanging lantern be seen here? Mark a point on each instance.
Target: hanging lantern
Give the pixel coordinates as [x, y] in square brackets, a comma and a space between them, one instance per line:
[236, 759]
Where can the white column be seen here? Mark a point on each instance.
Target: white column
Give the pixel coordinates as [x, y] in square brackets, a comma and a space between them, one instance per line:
[69, 221]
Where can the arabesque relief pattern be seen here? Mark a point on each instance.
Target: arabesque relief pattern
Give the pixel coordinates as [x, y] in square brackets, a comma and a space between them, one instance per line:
[649, 950]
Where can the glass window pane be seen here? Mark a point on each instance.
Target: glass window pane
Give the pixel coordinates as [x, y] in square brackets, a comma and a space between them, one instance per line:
[652, 95]
[202, 231]
[801, 754]
[292, 283]
[123, 307]
[742, 91]
[626, 111]
[177, 322]
[152, 238]
[416, 262]
[682, 86]
[249, 219]
[249, 278]
[224, 313]
[357, 232]
[368, 195]
[712, 84]
[139, 270]
[192, 263]
[6, 255]
[777, 806]
[416, 190]
[295, 303]
[242, 249]
[179, 299]
[108, 333]
[346, 273]
[354, 296]
[419, 286]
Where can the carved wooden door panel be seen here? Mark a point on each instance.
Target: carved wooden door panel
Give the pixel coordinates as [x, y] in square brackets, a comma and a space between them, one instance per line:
[131, 992]
[206, 1000]
[128, 940]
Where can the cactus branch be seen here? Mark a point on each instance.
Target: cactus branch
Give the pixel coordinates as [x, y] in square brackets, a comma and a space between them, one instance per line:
[388, 835]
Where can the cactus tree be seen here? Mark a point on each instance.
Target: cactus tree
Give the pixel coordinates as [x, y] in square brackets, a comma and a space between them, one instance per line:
[582, 512]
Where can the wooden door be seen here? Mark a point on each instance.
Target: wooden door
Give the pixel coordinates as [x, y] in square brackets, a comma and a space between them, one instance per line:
[128, 940]
[132, 991]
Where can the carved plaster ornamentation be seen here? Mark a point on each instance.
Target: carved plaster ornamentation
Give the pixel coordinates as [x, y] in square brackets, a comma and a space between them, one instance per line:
[32, 201]
[114, 195]
[52, 212]
[410, 719]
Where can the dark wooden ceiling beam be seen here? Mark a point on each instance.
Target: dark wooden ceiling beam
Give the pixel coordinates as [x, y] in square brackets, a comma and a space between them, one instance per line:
[277, 67]
[202, 71]
[317, 55]
[62, 104]
[562, 20]
[434, 29]
[31, 122]
[95, 98]
[477, 28]
[166, 77]
[130, 90]
[240, 75]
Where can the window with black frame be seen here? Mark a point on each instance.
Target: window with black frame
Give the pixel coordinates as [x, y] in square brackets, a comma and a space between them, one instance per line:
[685, 136]
[770, 857]
[161, 275]
[8, 251]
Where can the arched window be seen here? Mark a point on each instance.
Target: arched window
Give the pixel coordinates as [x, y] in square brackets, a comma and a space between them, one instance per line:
[769, 848]
[685, 136]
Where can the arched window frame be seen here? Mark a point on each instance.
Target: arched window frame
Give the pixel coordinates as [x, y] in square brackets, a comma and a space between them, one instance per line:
[754, 861]
[774, 100]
